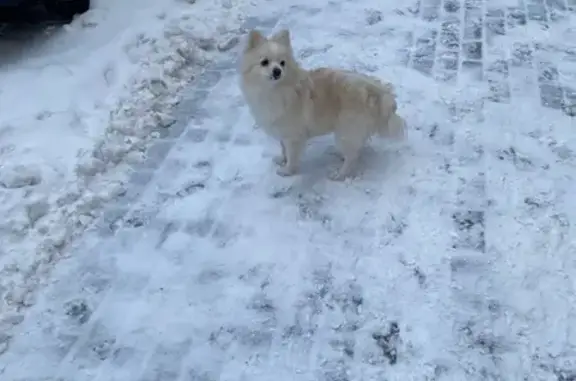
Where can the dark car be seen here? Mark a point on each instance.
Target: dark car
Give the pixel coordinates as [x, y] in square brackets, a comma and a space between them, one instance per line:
[32, 11]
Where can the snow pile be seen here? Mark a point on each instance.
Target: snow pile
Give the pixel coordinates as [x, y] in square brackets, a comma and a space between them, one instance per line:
[79, 110]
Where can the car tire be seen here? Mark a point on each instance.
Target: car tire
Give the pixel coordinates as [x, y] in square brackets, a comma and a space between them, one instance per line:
[67, 9]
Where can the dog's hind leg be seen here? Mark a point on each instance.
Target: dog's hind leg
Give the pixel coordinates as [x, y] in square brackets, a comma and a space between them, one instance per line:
[280, 159]
[350, 147]
[347, 168]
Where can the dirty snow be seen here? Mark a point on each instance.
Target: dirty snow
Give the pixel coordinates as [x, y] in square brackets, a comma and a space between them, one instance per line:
[449, 258]
[78, 104]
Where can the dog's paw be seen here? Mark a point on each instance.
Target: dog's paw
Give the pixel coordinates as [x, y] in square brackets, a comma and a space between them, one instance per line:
[279, 160]
[338, 176]
[286, 171]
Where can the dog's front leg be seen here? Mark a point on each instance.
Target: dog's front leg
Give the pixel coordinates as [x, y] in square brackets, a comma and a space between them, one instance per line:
[292, 150]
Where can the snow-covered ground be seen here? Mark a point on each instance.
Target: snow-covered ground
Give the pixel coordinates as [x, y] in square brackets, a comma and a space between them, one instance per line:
[450, 258]
[78, 105]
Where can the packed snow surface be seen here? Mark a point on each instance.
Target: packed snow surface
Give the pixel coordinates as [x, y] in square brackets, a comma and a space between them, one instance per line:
[450, 257]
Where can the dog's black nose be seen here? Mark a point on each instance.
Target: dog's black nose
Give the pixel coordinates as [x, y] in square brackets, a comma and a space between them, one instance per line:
[276, 73]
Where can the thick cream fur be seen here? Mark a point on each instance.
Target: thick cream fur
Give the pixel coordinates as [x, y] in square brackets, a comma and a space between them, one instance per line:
[302, 104]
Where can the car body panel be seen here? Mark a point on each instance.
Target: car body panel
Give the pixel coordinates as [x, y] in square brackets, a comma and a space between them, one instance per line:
[13, 3]
[40, 11]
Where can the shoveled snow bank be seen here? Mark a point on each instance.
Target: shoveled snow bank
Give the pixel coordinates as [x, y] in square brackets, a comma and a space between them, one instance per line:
[77, 106]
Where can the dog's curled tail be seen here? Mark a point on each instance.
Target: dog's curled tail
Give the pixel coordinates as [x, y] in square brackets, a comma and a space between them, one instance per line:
[394, 128]
[391, 125]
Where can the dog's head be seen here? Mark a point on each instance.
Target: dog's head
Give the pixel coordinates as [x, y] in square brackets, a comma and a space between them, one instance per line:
[269, 61]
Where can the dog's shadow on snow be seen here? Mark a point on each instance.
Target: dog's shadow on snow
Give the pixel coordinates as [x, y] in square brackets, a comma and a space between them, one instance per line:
[322, 158]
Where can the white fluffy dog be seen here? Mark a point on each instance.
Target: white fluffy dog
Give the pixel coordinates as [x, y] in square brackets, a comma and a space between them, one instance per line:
[293, 104]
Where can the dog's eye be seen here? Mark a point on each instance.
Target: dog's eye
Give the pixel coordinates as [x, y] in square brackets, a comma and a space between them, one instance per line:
[265, 62]
[282, 63]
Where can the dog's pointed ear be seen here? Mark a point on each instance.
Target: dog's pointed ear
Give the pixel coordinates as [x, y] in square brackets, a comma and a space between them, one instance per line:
[255, 39]
[282, 37]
